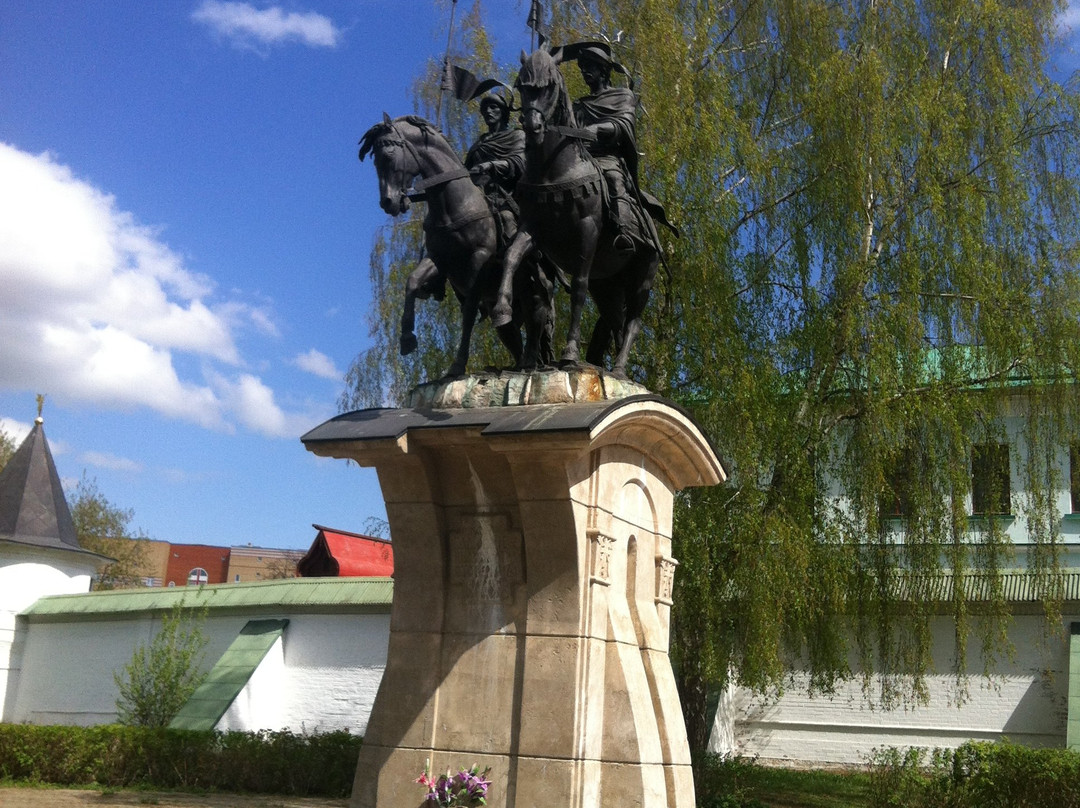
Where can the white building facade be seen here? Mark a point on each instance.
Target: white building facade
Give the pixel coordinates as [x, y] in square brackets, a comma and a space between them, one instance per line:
[1026, 697]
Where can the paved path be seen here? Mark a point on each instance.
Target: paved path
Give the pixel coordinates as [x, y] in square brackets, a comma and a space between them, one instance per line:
[85, 798]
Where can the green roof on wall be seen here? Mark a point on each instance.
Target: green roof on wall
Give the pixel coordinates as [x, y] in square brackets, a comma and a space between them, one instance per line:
[361, 594]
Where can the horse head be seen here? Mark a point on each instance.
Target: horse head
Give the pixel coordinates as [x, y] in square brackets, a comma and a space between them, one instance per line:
[544, 99]
[396, 161]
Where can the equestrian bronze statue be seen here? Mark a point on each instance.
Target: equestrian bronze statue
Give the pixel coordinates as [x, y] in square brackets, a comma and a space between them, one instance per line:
[580, 201]
[461, 238]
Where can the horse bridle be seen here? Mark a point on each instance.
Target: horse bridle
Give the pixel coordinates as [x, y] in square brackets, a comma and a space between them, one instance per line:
[559, 129]
[425, 182]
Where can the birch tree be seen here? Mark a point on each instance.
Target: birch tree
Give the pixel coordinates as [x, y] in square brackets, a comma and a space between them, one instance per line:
[879, 206]
[878, 202]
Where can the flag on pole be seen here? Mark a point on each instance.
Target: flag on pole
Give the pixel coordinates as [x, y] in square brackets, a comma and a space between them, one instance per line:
[536, 19]
[460, 82]
[447, 85]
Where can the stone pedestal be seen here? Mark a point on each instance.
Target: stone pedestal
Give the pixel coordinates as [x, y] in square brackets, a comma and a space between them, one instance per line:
[532, 591]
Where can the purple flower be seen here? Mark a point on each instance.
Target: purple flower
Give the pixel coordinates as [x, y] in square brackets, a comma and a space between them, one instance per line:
[466, 789]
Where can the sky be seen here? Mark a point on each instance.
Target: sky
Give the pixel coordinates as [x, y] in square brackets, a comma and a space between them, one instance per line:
[184, 240]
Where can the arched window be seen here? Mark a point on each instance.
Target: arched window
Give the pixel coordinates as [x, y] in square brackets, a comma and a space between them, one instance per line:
[197, 576]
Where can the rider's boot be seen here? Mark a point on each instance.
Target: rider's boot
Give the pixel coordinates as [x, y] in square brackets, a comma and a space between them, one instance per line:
[621, 211]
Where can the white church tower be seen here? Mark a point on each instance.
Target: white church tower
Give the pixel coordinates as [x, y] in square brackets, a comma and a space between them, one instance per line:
[39, 550]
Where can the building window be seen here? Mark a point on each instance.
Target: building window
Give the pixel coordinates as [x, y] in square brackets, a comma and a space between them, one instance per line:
[896, 498]
[197, 576]
[237, 578]
[990, 482]
[1074, 477]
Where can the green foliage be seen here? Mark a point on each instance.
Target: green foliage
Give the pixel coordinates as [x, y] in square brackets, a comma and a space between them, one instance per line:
[117, 756]
[105, 528]
[161, 676]
[879, 217]
[897, 777]
[725, 782]
[880, 212]
[975, 775]
[7, 448]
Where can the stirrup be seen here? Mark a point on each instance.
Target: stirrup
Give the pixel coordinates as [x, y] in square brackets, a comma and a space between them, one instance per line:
[623, 243]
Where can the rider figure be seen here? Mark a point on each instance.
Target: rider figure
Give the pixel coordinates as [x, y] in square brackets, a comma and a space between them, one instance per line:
[497, 160]
[609, 112]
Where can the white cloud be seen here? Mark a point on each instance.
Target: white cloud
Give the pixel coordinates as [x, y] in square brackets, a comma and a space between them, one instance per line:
[246, 25]
[16, 430]
[95, 308]
[1069, 19]
[256, 408]
[318, 364]
[106, 460]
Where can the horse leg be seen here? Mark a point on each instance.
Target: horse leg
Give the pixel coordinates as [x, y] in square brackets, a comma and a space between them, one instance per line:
[599, 342]
[610, 321]
[422, 283]
[503, 311]
[639, 282]
[579, 290]
[470, 306]
[536, 291]
[510, 336]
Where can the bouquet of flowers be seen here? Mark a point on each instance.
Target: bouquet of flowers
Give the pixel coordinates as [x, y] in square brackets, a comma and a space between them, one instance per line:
[466, 789]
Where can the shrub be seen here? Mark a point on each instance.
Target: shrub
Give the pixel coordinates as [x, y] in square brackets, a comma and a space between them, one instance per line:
[1004, 775]
[975, 775]
[268, 762]
[725, 781]
[897, 777]
[162, 676]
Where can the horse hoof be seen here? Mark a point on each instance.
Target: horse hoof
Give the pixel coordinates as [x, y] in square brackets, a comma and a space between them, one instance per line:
[501, 315]
[408, 344]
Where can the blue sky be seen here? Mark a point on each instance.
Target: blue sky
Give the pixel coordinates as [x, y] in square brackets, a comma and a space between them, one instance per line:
[184, 234]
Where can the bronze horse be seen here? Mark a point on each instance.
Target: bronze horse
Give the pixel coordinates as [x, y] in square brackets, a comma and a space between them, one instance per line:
[460, 241]
[562, 199]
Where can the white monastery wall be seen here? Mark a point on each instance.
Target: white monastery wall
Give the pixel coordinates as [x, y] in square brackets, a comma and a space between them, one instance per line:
[259, 705]
[1026, 701]
[22, 581]
[69, 666]
[322, 675]
[334, 664]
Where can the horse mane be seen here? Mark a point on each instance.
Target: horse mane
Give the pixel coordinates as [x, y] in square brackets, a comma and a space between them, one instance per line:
[540, 71]
[382, 128]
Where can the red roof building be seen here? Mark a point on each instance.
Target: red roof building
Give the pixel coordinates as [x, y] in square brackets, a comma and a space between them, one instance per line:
[340, 554]
[192, 564]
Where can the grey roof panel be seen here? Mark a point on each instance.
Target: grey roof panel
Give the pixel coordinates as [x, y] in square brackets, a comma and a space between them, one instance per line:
[33, 509]
[382, 424]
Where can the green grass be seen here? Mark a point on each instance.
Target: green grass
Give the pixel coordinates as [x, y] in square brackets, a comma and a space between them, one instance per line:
[741, 783]
[784, 788]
